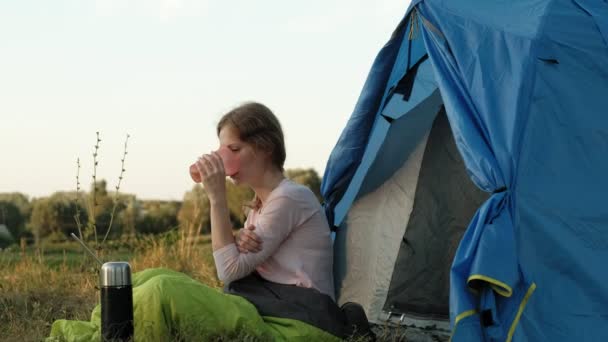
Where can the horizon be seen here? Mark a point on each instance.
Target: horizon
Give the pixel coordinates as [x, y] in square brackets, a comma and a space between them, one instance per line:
[164, 71]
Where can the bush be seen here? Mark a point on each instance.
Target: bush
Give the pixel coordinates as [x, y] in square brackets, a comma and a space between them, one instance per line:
[157, 217]
[56, 215]
[12, 218]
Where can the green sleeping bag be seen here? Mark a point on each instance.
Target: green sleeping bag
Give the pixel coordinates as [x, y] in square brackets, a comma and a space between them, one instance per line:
[169, 305]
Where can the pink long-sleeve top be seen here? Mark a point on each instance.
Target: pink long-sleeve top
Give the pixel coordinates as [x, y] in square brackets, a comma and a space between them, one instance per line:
[296, 249]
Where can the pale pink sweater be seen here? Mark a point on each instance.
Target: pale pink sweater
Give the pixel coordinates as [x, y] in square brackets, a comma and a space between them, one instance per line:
[297, 247]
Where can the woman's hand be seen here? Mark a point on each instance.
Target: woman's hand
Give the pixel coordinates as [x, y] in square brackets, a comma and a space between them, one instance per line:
[248, 241]
[212, 171]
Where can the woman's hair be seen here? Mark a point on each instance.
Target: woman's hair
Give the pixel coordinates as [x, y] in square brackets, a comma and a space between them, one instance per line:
[258, 126]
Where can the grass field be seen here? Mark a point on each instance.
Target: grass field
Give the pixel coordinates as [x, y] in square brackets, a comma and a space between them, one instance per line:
[58, 281]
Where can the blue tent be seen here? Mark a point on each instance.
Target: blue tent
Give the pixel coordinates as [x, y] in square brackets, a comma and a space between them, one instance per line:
[519, 90]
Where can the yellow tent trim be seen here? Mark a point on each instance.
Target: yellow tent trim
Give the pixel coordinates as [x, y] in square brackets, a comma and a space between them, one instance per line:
[522, 306]
[460, 317]
[498, 286]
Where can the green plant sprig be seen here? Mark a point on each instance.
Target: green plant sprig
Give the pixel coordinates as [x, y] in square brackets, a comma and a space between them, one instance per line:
[77, 216]
[120, 177]
[94, 202]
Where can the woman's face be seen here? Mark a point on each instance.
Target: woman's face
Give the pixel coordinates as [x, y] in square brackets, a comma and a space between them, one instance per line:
[252, 162]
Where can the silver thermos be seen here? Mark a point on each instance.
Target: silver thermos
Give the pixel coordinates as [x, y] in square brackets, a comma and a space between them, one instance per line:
[116, 302]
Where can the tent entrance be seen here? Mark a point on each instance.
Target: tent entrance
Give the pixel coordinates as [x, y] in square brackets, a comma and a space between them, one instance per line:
[408, 198]
[394, 249]
[445, 201]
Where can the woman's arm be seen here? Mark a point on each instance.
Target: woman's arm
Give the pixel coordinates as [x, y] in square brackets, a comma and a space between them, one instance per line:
[221, 227]
[279, 218]
[213, 175]
[247, 241]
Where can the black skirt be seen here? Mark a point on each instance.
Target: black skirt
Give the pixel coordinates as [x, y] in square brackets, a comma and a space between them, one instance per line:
[289, 301]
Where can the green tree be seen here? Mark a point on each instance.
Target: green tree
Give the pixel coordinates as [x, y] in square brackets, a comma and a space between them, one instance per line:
[55, 215]
[307, 177]
[195, 208]
[238, 198]
[194, 211]
[157, 217]
[127, 217]
[20, 200]
[104, 204]
[42, 220]
[99, 204]
[12, 218]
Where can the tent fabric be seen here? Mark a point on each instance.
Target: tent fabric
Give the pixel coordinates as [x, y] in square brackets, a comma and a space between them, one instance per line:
[167, 302]
[444, 203]
[423, 98]
[529, 116]
[371, 257]
[349, 149]
[364, 274]
[524, 86]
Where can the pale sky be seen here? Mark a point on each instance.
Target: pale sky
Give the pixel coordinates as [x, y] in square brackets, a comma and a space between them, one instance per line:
[165, 71]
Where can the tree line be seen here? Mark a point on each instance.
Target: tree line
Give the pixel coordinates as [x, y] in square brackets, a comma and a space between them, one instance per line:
[98, 213]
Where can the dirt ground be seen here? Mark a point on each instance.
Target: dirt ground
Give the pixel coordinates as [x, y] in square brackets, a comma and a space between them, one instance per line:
[410, 334]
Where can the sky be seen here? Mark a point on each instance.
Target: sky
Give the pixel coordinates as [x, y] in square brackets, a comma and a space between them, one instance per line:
[164, 72]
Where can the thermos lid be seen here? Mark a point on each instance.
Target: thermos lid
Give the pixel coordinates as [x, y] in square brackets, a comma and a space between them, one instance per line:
[115, 273]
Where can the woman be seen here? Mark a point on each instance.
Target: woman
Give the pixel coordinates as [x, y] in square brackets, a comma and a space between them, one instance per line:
[281, 291]
[288, 218]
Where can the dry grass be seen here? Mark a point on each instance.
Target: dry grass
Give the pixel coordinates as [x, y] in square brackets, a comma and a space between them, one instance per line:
[33, 295]
[194, 258]
[40, 286]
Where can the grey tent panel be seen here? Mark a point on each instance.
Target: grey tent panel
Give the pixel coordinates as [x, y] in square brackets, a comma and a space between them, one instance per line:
[445, 202]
